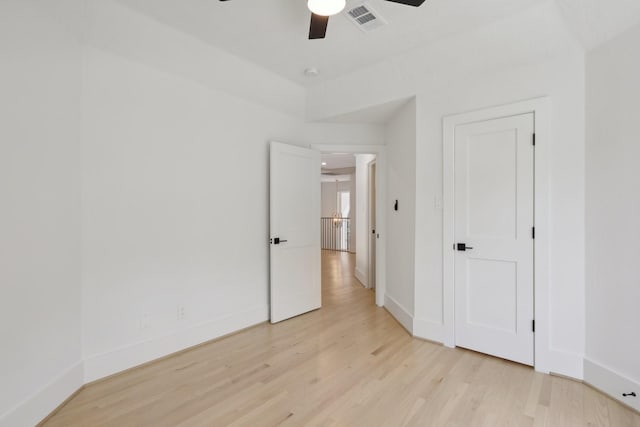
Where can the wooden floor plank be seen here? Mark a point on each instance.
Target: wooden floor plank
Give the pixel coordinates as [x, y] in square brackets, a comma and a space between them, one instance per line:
[347, 364]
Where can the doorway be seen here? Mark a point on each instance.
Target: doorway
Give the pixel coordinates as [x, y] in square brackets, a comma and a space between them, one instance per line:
[493, 224]
[348, 212]
[495, 242]
[295, 232]
[371, 275]
[337, 216]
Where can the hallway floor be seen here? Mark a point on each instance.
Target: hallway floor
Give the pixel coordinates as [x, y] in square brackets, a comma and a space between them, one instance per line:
[347, 364]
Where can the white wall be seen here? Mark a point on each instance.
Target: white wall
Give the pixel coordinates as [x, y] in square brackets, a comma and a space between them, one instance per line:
[116, 158]
[613, 216]
[362, 217]
[400, 136]
[163, 226]
[533, 35]
[39, 213]
[330, 196]
[115, 28]
[522, 57]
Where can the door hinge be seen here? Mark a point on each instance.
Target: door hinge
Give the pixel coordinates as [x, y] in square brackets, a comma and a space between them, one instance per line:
[533, 232]
[533, 325]
[534, 139]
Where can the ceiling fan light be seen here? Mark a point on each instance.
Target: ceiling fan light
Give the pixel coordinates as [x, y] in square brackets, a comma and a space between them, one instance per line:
[326, 7]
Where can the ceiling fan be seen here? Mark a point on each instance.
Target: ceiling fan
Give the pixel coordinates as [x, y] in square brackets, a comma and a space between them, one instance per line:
[321, 10]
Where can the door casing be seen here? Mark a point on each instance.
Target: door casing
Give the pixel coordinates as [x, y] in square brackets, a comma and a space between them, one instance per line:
[541, 108]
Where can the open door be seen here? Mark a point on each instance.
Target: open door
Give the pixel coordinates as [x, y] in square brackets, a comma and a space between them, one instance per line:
[294, 231]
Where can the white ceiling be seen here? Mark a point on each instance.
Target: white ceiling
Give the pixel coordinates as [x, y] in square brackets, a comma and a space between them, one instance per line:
[273, 33]
[596, 21]
[338, 161]
[378, 114]
[335, 178]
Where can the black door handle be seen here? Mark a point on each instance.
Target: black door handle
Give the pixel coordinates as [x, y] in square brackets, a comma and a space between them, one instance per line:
[463, 247]
[277, 241]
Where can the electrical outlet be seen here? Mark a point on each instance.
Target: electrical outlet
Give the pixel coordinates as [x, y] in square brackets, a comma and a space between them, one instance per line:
[180, 312]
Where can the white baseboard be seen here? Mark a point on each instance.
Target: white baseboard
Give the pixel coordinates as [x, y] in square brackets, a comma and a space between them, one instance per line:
[612, 383]
[400, 313]
[40, 404]
[43, 402]
[103, 365]
[566, 364]
[429, 330]
[361, 277]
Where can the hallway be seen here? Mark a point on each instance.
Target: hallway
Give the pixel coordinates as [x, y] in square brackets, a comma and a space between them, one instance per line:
[340, 288]
[347, 364]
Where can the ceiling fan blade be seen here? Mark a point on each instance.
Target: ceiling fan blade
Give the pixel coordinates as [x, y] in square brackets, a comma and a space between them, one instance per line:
[415, 3]
[318, 27]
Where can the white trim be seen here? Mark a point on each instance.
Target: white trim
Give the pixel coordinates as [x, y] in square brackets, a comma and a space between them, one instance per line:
[361, 277]
[611, 382]
[541, 108]
[566, 364]
[400, 313]
[371, 257]
[43, 402]
[429, 330]
[105, 364]
[381, 171]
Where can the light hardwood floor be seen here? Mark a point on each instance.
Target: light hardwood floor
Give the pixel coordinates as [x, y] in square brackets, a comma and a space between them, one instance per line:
[348, 364]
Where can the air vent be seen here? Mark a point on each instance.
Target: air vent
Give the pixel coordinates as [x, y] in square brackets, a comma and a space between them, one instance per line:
[365, 18]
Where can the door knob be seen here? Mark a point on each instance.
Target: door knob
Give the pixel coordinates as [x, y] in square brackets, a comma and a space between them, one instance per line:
[463, 247]
[277, 241]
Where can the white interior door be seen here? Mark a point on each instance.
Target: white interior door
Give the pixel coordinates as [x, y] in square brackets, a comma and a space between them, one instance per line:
[494, 196]
[294, 231]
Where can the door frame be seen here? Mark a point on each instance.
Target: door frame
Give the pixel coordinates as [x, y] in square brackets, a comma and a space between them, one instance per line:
[541, 109]
[380, 152]
[371, 212]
